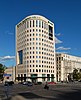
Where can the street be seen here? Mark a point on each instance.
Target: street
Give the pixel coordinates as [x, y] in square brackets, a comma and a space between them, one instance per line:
[66, 91]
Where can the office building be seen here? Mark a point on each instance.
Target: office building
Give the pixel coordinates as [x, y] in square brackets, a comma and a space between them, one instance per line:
[35, 49]
[65, 64]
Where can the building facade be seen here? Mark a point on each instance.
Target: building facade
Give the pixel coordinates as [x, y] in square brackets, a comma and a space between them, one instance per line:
[35, 49]
[65, 64]
[10, 74]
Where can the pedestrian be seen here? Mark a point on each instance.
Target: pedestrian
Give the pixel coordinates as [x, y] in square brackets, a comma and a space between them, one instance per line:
[46, 86]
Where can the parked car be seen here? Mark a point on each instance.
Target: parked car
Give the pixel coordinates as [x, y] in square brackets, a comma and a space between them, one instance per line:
[79, 81]
[25, 83]
[20, 82]
[28, 83]
[51, 83]
[38, 83]
[8, 83]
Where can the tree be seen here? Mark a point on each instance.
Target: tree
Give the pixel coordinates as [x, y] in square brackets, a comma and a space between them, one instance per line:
[76, 75]
[2, 69]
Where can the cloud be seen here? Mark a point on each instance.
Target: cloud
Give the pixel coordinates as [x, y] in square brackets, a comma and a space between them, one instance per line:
[10, 33]
[58, 34]
[57, 41]
[62, 52]
[62, 48]
[6, 58]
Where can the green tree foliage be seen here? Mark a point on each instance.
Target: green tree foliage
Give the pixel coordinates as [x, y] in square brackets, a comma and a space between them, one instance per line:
[76, 75]
[2, 69]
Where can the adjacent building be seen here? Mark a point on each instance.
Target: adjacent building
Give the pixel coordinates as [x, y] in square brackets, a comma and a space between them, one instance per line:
[10, 74]
[35, 49]
[65, 64]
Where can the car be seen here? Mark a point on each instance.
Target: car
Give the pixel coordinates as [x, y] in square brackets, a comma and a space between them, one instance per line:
[8, 83]
[25, 83]
[79, 81]
[37, 83]
[51, 83]
[11, 82]
[20, 82]
[28, 83]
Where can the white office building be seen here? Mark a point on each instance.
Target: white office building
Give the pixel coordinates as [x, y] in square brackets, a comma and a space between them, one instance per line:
[65, 64]
[35, 49]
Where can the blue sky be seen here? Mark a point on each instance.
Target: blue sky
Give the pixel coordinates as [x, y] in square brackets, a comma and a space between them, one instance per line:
[66, 15]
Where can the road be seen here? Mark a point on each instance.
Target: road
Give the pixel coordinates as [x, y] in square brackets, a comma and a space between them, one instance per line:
[68, 91]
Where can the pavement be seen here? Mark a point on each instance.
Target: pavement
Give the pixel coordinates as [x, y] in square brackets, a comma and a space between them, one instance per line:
[37, 92]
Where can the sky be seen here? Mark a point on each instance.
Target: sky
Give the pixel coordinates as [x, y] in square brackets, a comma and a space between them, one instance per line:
[65, 14]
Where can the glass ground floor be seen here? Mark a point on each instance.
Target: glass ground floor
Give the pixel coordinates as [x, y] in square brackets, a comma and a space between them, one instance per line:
[36, 78]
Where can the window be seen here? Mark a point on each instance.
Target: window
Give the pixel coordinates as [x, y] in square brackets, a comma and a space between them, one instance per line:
[36, 23]
[48, 77]
[39, 70]
[30, 23]
[39, 23]
[39, 56]
[42, 24]
[36, 34]
[36, 30]
[36, 70]
[39, 52]
[44, 70]
[36, 38]
[33, 30]
[36, 43]
[30, 30]
[33, 23]
[36, 56]
[20, 53]
[27, 24]
[37, 61]
[50, 32]
[39, 30]
[33, 34]
[27, 30]
[36, 48]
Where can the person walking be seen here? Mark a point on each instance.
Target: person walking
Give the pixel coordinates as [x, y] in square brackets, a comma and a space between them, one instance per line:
[46, 86]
